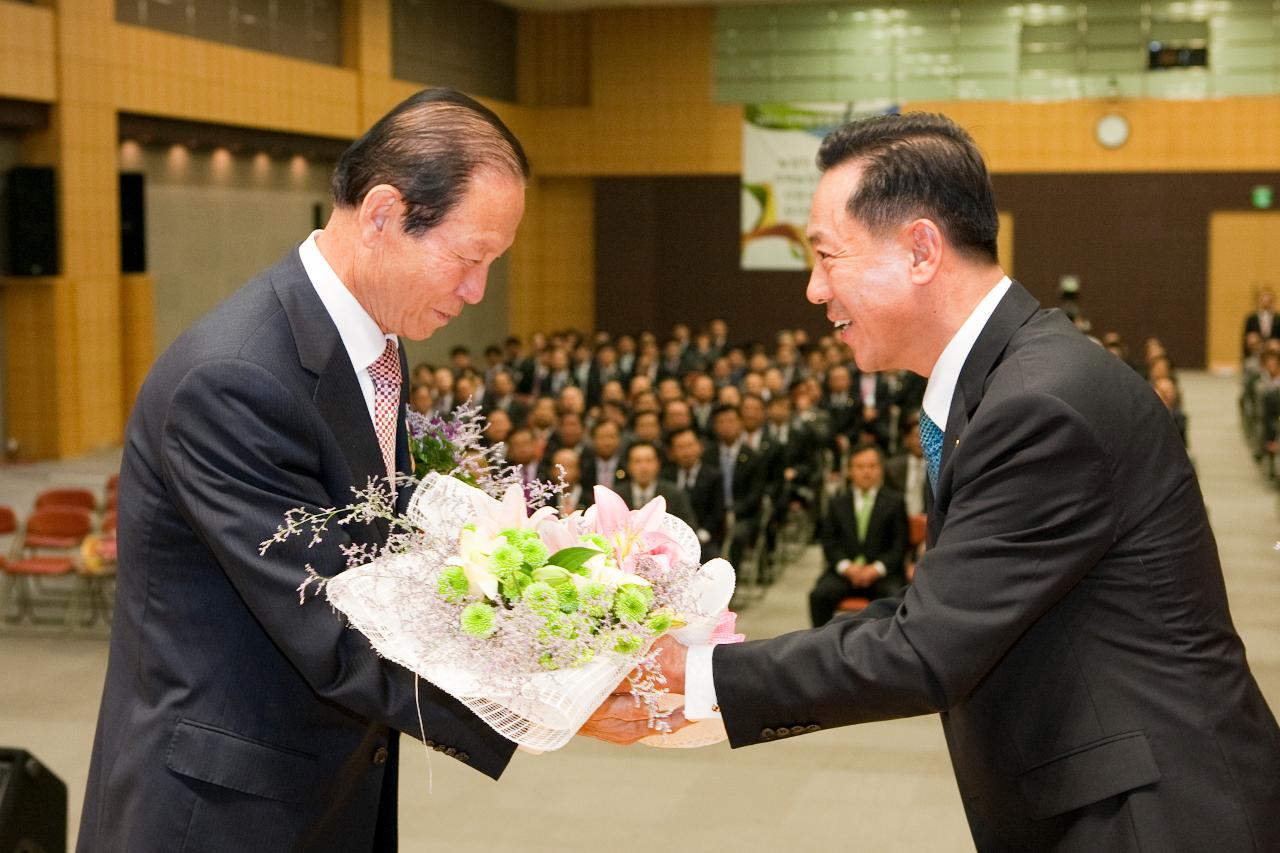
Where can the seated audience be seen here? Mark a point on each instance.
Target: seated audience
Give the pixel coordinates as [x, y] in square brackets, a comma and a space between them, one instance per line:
[864, 538]
[703, 485]
[643, 483]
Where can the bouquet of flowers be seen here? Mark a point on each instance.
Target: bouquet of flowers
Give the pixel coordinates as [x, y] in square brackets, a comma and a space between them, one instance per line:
[529, 618]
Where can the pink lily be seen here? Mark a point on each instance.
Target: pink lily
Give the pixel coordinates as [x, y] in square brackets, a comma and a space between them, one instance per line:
[632, 533]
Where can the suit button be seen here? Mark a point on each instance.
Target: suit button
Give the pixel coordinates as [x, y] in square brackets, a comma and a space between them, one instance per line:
[380, 755]
[451, 751]
[462, 756]
[438, 748]
[797, 730]
[783, 731]
[813, 728]
[428, 743]
[768, 734]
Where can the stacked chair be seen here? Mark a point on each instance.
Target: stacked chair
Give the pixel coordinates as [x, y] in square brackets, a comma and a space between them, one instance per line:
[60, 559]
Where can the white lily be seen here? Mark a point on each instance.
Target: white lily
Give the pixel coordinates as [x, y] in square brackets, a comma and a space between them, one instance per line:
[474, 552]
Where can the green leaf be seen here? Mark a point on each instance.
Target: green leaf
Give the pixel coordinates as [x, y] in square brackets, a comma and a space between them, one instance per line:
[572, 559]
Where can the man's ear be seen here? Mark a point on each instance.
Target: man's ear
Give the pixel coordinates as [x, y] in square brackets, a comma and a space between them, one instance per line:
[379, 211]
[926, 244]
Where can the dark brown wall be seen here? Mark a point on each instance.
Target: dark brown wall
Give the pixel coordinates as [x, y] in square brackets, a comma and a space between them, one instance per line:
[667, 251]
[1138, 242]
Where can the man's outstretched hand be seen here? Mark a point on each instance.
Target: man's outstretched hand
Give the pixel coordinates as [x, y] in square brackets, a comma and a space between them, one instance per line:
[621, 719]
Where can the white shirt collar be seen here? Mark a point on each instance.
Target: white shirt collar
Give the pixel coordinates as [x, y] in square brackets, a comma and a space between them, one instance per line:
[361, 337]
[946, 371]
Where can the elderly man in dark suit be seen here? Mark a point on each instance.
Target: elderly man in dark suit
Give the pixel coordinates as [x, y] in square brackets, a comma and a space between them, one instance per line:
[1069, 619]
[234, 718]
[864, 538]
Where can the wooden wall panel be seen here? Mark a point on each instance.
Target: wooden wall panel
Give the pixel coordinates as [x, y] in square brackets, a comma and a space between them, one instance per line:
[28, 66]
[137, 334]
[553, 273]
[1241, 258]
[554, 59]
[40, 367]
[180, 77]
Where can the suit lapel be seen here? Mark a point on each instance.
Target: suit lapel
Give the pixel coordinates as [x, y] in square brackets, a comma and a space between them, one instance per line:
[1015, 309]
[337, 393]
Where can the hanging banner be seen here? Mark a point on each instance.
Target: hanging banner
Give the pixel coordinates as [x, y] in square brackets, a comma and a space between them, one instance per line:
[779, 175]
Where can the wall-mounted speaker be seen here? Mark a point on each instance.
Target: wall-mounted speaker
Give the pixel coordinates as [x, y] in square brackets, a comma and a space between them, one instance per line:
[33, 805]
[133, 224]
[31, 210]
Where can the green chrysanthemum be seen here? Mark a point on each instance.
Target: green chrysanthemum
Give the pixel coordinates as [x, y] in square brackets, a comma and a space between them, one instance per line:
[568, 595]
[507, 558]
[453, 585]
[595, 589]
[534, 553]
[660, 621]
[478, 619]
[541, 596]
[628, 644]
[629, 605]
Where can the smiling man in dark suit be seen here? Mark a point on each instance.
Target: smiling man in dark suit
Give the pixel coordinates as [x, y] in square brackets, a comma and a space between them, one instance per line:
[864, 539]
[233, 718]
[1069, 620]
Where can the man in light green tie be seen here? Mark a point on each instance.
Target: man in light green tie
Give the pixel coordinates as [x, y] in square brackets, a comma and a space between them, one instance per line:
[864, 539]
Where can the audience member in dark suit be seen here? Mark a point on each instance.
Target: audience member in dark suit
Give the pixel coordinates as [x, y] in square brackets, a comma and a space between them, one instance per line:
[643, 483]
[703, 485]
[873, 419]
[743, 477]
[602, 463]
[604, 369]
[232, 718]
[566, 464]
[569, 433]
[1264, 320]
[843, 406]
[795, 467]
[500, 393]
[864, 539]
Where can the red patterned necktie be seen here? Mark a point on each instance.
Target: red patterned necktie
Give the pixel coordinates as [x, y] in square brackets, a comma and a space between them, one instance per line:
[385, 373]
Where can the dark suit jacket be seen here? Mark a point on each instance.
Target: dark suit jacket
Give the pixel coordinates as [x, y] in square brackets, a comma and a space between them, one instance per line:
[233, 717]
[706, 499]
[677, 501]
[1069, 621]
[895, 476]
[587, 464]
[749, 479]
[1253, 323]
[798, 452]
[887, 534]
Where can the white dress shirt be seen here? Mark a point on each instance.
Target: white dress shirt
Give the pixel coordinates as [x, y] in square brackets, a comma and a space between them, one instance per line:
[946, 371]
[915, 484]
[699, 686]
[360, 335]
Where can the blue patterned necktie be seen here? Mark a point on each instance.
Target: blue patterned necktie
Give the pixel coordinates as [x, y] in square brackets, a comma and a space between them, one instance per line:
[931, 442]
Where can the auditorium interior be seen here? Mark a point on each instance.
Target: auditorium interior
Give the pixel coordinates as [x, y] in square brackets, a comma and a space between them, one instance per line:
[157, 154]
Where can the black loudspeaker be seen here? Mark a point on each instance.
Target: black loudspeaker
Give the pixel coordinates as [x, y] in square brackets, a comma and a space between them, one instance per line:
[33, 805]
[31, 208]
[133, 225]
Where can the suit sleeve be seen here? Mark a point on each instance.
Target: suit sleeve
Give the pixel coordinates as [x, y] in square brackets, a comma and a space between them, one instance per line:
[238, 452]
[1030, 514]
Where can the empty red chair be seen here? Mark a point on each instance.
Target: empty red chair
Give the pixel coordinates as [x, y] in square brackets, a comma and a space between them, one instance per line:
[60, 529]
[66, 497]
